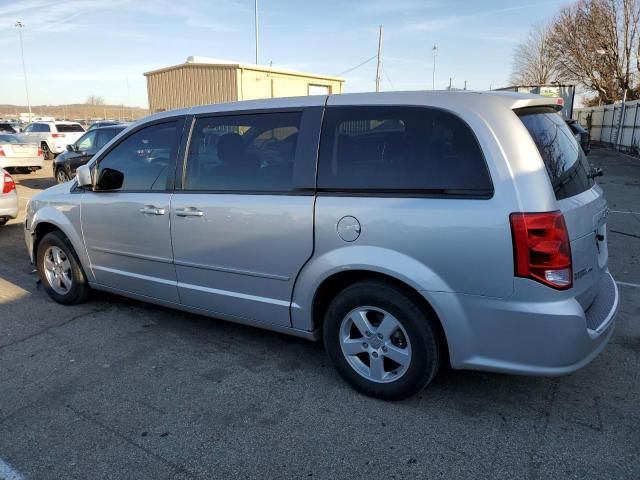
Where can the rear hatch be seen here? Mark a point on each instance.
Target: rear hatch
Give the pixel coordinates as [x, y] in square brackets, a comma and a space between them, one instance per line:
[20, 150]
[581, 201]
[72, 132]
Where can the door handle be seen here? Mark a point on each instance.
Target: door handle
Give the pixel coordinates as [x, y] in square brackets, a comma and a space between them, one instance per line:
[189, 212]
[151, 210]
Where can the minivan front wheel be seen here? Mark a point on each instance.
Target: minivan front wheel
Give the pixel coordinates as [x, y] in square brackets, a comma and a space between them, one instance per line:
[381, 340]
[60, 271]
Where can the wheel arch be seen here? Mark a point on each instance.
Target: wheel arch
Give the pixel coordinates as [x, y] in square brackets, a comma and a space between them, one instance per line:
[338, 281]
[50, 220]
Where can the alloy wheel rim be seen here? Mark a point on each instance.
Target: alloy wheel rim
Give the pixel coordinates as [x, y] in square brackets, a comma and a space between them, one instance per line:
[375, 344]
[57, 269]
[62, 177]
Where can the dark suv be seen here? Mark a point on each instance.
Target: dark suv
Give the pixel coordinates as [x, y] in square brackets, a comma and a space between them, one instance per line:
[80, 152]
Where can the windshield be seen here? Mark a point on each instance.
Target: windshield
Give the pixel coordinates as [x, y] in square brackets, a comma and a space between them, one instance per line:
[563, 158]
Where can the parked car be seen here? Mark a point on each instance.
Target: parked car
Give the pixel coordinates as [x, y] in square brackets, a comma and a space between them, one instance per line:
[79, 153]
[8, 197]
[104, 123]
[581, 135]
[53, 137]
[18, 155]
[405, 229]
[8, 127]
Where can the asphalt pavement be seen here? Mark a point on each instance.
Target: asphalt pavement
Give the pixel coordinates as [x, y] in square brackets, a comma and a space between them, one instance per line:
[119, 389]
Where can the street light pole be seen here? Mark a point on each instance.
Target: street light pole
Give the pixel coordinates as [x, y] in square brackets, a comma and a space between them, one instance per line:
[19, 25]
[433, 81]
[255, 8]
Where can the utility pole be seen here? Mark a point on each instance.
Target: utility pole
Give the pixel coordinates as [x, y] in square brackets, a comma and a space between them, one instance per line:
[433, 81]
[255, 9]
[378, 71]
[19, 25]
[465, 84]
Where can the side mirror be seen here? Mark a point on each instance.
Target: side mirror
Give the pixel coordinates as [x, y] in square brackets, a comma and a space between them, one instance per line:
[70, 148]
[84, 176]
[110, 179]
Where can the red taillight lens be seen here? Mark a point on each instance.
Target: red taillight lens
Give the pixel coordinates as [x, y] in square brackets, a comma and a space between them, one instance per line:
[57, 135]
[9, 184]
[1, 152]
[39, 151]
[541, 249]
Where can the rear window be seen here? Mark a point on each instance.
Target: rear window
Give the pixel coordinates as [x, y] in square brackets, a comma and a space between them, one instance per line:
[65, 128]
[10, 139]
[563, 158]
[404, 150]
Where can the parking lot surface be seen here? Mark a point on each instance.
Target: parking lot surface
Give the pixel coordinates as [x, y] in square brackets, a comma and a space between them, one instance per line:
[120, 389]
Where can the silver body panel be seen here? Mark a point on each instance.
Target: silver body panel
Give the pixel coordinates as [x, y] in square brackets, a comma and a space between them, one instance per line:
[260, 259]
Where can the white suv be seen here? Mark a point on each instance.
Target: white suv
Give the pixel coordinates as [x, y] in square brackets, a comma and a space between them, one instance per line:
[53, 137]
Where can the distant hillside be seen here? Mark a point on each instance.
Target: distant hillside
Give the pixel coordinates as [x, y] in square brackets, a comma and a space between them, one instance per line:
[76, 111]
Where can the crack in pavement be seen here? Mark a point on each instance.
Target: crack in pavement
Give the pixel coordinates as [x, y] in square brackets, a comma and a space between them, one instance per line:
[51, 327]
[177, 468]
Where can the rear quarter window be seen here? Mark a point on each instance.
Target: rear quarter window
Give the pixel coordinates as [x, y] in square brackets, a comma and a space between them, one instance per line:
[565, 162]
[399, 149]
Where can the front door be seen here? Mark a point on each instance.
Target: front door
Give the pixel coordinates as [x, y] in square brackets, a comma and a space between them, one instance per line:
[125, 220]
[242, 225]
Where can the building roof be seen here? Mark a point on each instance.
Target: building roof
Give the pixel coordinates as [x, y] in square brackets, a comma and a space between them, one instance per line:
[195, 61]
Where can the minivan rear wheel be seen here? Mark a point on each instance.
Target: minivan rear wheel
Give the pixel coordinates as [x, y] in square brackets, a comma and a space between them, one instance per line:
[381, 340]
[60, 270]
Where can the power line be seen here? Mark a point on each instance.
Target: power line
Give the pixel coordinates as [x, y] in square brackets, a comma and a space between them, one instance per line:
[384, 71]
[357, 66]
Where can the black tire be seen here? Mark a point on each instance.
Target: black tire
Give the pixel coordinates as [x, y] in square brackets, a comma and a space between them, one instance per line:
[61, 175]
[3, 220]
[46, 153]
[419, 325]
[79, 290]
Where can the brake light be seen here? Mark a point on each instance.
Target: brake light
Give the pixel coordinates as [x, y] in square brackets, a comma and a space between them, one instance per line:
[57, 135]
[541, 249]
[9, 185]
[1, 152]
[39, 151]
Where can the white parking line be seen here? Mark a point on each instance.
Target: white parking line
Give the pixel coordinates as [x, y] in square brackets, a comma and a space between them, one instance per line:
[8, 473]
[627, 211]
[627, 284]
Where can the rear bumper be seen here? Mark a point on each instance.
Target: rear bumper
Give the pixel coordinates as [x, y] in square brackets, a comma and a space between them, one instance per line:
[530, 338]
[8, 206]
[21, 162]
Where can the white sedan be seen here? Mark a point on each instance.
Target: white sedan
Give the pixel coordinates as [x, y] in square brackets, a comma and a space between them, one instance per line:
[8, 197]
[19, 154]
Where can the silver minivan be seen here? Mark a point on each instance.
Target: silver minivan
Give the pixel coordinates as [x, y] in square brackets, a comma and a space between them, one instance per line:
[407, 230]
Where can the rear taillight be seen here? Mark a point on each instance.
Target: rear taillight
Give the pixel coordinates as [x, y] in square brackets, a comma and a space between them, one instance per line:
[1, 152]
[39, 151]
[9, 185]
[541, 249]
[57, 135]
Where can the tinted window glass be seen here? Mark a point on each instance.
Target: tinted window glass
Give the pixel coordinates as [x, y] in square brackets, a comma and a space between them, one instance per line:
[64, 128]
[10, 139]
[87, 142]
[144, 157]
[243, 153]
[6, 127]
[563, 158]
[400, 149]
[41, 128]
[104, 136]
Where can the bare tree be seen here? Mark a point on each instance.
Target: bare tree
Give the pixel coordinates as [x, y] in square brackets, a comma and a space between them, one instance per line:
[95, 100]
[534, 60]
[597, 46]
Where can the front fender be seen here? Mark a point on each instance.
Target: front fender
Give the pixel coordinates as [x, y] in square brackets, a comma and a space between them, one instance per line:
[66, 218]
[350, 258]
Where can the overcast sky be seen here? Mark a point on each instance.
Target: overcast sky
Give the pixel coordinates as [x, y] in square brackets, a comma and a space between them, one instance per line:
[75, 48]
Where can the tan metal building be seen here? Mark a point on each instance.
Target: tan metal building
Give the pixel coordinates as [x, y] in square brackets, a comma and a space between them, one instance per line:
[201, 81]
